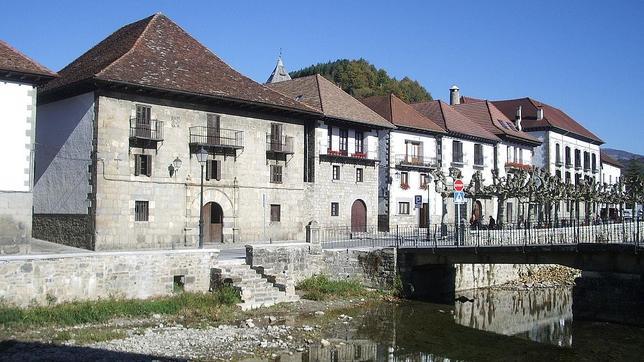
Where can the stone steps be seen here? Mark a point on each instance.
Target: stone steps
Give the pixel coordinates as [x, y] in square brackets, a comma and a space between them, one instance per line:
[255, 290]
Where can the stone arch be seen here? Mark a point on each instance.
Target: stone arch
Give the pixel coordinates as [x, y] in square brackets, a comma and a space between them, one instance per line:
[219, 197]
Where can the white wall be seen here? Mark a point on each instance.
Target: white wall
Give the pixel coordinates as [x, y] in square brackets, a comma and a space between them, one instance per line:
[64, 145]
[551, 139]
[16, 110]
[610, 174]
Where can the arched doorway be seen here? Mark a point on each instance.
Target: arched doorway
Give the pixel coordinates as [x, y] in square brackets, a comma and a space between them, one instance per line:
[213, 218]
[358, 216]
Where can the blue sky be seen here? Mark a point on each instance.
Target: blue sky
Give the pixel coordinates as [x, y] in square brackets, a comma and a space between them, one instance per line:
[585, 57]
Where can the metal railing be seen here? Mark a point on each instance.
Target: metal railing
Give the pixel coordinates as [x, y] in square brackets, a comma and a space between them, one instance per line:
[207, 136]
[149, 131]
[363, 154]
[279, 144]
[415, 161]
[453, 235]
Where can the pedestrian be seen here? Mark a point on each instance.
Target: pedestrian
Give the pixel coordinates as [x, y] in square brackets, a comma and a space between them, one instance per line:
[491, 224]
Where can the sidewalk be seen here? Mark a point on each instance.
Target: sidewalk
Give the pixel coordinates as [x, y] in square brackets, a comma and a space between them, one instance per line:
[38, 247]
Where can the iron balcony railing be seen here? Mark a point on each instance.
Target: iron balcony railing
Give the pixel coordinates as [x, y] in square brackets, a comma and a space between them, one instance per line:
[416, 161]
[149, 131]
[216, 137]
[279, 144]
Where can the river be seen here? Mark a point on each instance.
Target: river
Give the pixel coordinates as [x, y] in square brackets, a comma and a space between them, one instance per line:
[492, 324]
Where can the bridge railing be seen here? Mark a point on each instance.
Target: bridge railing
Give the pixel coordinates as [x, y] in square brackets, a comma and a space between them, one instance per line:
[451, 235]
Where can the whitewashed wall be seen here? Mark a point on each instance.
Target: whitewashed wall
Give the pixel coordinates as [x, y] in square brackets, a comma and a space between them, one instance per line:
[16, 107]
[610, 174]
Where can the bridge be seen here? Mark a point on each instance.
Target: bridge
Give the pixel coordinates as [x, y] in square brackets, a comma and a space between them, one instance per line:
[610, 256]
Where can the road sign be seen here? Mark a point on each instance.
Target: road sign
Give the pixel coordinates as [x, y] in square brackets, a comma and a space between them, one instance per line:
[458, 185]
[459, 197]
[418, 201]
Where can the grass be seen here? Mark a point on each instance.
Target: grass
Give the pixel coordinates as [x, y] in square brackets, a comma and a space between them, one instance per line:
[189, 305]
[320, 287]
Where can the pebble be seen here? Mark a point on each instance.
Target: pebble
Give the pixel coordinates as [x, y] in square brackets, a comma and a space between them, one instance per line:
[319, 313]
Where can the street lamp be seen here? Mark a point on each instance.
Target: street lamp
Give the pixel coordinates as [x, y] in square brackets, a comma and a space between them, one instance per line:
[176, 165]
[202, 157]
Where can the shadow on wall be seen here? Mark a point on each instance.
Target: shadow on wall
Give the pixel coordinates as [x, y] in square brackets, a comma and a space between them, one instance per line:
[12, 231]
[29, 351]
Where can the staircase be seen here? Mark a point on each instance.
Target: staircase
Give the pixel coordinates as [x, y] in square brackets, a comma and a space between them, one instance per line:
[255, 290]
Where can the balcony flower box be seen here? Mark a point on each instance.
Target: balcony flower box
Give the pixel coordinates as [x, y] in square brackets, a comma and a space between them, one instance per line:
[518, 166]
[404, 186]
[331, 152]
[359, 155]
[423, 186]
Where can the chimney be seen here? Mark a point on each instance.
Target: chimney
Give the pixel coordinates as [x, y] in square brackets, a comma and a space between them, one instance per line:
[517, 118]
[539, 114]
[454, 96]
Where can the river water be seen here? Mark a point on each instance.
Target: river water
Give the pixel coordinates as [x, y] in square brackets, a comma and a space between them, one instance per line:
[492, 324]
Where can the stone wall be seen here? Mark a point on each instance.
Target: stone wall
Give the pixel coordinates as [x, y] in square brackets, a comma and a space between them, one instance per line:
[373, 268]
[474, 276]
[41, 279]
[15, 217]
[67, 229]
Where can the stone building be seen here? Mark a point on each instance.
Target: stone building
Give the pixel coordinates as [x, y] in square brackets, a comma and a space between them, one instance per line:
[513, 153]
[19, 77]
[342, 161]
[567, 150]
[121, 128]
[467, 147]
[408, 155]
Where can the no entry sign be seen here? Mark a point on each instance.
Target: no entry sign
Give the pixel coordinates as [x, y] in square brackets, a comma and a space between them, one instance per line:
[458, 185]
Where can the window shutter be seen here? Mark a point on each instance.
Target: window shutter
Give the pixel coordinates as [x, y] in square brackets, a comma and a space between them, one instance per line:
[148, 172]
[208, 168]
[218, 170]
[421, 152]
[137, 165]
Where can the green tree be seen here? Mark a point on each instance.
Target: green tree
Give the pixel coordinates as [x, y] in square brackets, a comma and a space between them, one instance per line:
[362, 79]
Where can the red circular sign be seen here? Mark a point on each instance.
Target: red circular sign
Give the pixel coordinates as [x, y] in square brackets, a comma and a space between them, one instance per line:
[458, 185]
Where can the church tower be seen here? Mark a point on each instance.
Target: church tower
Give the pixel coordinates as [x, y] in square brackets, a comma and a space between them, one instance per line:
[279, 73]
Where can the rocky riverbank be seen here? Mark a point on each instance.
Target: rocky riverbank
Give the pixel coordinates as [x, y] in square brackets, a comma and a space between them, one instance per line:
[543, 277]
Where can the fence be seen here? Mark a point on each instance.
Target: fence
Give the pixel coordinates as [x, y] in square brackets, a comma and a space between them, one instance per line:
[451, 235]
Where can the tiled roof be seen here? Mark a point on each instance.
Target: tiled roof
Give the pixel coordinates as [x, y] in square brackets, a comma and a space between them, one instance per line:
[400, 113]
[465, 100]
[486, 115]
[319, 93]
[606, 158]
[552, 117]
[13, 60]
[453, 121]
[155, 52]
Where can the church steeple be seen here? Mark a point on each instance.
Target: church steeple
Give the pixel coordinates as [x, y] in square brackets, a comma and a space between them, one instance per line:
[279, 73]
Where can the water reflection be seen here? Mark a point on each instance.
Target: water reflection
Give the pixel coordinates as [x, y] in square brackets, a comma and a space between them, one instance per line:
[541, 315]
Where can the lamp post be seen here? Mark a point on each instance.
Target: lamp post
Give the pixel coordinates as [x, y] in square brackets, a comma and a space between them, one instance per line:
[202, 157]
[176, 165]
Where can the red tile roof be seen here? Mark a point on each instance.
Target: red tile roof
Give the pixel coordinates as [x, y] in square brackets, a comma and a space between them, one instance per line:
[155, 52]
[606, 158]
[317, 92]
[12, 60]
[493, 120]
[552, 117]
[400, 113]
[453, 121]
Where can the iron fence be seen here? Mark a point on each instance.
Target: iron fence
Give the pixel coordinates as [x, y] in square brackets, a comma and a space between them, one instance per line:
[453, 235]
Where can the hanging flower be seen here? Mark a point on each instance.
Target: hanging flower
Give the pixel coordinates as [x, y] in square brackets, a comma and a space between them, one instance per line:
[404, 186]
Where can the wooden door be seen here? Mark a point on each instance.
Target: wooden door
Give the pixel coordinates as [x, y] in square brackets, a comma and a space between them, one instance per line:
[423, 216]
[216, 223]
[276, 137]
[358, 216]
[143, 121]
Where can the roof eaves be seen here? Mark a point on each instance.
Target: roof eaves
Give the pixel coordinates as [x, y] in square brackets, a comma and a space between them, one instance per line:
[317, 83]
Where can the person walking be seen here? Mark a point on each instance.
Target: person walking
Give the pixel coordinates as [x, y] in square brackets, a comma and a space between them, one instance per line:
[491, 224]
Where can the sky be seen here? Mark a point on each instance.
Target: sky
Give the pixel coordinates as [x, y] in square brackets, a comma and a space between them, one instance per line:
[584, 57]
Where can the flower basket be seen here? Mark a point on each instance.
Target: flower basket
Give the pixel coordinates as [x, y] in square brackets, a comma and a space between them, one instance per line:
[423, 186]
[359, 155]
[404, 186]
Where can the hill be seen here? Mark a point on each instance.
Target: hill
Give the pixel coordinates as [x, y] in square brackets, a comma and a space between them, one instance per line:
[362, 79]
[623, 156]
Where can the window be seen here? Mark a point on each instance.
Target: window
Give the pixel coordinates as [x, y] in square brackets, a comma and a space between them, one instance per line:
[586, 161]
[143, 165]
[557, 155]
[509, 153]
[520, 154]
[330, 137]
[143, 116]
[141, 211]
[335, 209]
[509, 212]
[213, 170]
[413, 152]
[567, 177]
[344, 141]
[359, 174]
[558, 174]
[403, 208]
[404, 178]
[275, 213]
[568, 160]
[277, 143]
[457, 152]
[336, 172]
[359, 142]
[276, 174]
[577, 159]
[478, 154]
[594, 162]
[423, 180]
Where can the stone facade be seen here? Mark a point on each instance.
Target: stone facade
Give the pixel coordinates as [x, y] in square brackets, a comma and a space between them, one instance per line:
[67, 229]
[44, 279]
